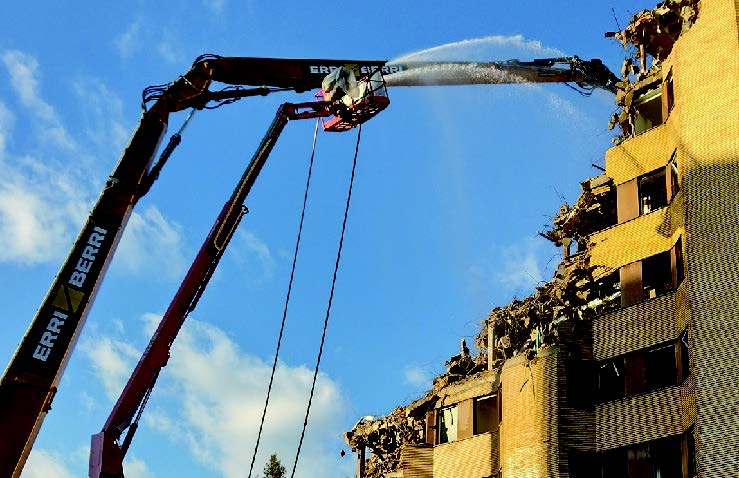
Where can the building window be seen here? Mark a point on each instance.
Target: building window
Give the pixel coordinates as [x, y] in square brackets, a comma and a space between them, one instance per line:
[660, 367]
[656, 459]
[486, 414]
[612, 464]
[690, 445]
[665, 457]
[652, 191]
[657, 275]
[679, 271]
[668, 96]
[642, 371]
[611, 380]
[674, 183]
[448, 420]
[647, 110]
[684, 356]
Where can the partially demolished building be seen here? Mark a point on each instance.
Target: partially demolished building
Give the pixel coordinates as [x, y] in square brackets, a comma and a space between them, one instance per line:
[625, 364]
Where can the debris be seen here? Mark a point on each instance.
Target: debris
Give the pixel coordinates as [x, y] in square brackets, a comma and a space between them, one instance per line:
[652, 33]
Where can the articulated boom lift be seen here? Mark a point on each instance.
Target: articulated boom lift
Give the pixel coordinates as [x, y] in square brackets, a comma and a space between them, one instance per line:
[30, 381]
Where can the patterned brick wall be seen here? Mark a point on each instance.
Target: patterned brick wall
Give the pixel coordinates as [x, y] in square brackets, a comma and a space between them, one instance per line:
[529, 443]
[638, 419]
[636, 327]
[705, 126]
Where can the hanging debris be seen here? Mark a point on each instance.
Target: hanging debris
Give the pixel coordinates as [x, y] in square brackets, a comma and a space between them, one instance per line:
[652, 33]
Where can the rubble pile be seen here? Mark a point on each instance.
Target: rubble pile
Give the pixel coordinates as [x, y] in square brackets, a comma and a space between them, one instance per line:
[578, 290]
[386, 436]
[524, 326]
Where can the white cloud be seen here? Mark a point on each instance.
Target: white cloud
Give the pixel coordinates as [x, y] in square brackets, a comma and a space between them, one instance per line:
[489, 48]
[254, 254]
[43, 203]
[136, 468]
[169, 48]
[511, 268]
[23, 71]
[520, 266]
[128, 42]
[45, 464]
[7, 120]
[209, 400]
[40, 207]
[215, 6]
[222, 398]
[112, 361]
[151, 244]
[418, 377]
[103, 115]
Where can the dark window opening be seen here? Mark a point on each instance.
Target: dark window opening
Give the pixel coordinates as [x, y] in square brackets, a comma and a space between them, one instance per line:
[656, 459]
[660, 367]
[486, 414]
[580, 379]
[611, 380]
[613, 464]
[674, 183]
[647, 110]
[657, 275]
[668, 96]
[652, 191]
[684, 356]
[692, 464]
[665, 456]
[679, 268]
[664, 365]
[602, 213]
[605, 295]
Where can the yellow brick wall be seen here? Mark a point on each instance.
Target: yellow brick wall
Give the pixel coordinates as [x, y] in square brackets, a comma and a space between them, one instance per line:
[646, 152]
[639, 238]
[705, 126]
[529, 432]
[417, 461]
[468, 458]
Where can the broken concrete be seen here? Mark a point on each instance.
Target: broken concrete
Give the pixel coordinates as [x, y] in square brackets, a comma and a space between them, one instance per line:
[652, 34]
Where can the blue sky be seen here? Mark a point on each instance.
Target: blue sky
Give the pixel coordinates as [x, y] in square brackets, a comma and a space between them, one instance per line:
[453, 184]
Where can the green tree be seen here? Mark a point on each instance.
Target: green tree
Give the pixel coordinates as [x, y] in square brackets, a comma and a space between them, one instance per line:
[273, 468]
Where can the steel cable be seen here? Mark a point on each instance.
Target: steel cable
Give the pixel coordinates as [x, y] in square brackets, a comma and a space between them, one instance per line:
[330, 301]
[287, 296]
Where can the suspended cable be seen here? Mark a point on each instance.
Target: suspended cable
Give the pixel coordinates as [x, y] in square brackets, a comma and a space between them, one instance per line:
[330, 301]
[287, 297]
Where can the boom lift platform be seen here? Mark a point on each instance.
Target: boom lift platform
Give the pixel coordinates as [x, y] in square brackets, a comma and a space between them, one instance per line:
[30, 381]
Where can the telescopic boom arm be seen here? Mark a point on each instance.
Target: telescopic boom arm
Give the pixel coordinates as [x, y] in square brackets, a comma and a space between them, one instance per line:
[30, 381]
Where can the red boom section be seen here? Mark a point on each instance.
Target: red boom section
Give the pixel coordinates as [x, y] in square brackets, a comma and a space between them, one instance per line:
[107, 451]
